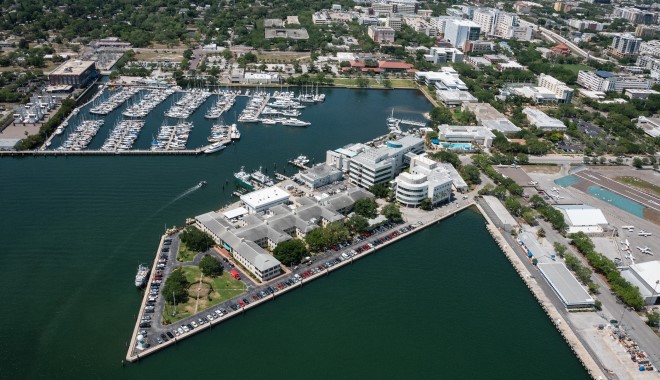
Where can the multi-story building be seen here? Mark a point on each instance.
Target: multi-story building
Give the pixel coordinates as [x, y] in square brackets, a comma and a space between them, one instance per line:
[73, 73]
[605, 81]
[380, 165]
[585, 24]
[625, 45]
[394, 22]
[477, 135]
[487, 20]
[561, 6]
[420, 25]
[494, 22]
[479, 46]
[425, 179]
[457, 32]
[440, 55]
[523, 7]
[321, 18]
[382, 9]
[648, 62]
[563, 92]
[445, 79]
[381, 34]
[650, 48]
[440, 22]
[635, 16]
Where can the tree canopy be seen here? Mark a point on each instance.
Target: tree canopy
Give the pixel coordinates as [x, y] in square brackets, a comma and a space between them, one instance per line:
[392, 212]
[366, 207]
[197, 240]
[176, 287]
[290, 251]
[210, 266]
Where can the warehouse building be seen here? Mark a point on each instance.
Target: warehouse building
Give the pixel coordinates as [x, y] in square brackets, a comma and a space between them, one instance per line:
[73, 73]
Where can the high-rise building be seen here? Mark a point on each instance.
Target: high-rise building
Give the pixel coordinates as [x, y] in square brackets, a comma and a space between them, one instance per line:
[625, 45]
[457, 32]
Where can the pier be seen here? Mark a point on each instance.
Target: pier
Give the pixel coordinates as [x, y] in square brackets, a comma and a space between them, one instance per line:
[433, 217]
[141, 152]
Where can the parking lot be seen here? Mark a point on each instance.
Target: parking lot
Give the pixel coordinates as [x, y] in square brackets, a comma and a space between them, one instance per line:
[156, 333]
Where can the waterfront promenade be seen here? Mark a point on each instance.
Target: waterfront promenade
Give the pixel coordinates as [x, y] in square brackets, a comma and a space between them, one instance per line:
[548, 307]
[413, 217]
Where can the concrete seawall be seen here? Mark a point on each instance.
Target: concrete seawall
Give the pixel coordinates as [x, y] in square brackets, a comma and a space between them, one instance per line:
[567, 333]
[133, 355]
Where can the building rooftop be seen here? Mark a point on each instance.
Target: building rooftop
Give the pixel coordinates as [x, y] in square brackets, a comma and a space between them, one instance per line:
[565, 284]
[649, 272]
[294, 34]
[583, 215]
[604, 74]
[73, 67]
[453, 96]
[264, 196]
[541, 120]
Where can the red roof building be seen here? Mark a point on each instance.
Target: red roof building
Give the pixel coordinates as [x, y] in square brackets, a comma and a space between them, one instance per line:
[394, 66]
[561, 49]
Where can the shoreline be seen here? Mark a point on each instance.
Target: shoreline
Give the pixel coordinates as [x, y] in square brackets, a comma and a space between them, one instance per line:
[570, 337]
[133, 356]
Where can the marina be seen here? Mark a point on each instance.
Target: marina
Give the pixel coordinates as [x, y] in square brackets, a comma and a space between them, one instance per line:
[355, 304]
[185, 106]
[148, 102]
[114, 101]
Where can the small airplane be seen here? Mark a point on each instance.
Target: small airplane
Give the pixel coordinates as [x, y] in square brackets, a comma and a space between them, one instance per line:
[646, 251]
[631, 258]
[533, 183]
[555, 189]
[643, 233]
[629, 228]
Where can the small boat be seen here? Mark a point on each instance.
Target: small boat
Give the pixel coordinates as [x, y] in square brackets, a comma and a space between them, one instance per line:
[201, 183]
[141, 276]
[215, 147]
[268, 121]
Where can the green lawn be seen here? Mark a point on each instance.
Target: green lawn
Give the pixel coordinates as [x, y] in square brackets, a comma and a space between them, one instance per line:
[185, 254]
[576, 67]
[640, 183]
[373, 83]
[222, 288]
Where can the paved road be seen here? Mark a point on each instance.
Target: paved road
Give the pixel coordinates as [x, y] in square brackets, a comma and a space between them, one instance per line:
[633, 324]
[556, 159]
[549, 292]
[598, 179]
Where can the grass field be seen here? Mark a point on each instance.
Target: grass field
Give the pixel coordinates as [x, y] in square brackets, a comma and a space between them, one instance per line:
[185, 254]
[640, 184]
[576, 67]
[205, 294]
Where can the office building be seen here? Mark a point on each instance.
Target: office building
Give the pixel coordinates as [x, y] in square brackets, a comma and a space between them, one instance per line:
[394, 22]
[381, 164]
[542, 121]
[261, 200]
[425, 179]
[457, 32]
[73, 73]
[606, 81]
[491, 118]
[467, 134]
[559, 88]
[440, 55]
[635, 16]
[381, 34]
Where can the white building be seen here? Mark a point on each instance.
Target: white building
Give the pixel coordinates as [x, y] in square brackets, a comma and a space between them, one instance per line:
[426, 179]
[639, 94]
[321, 18]
[457, 32]
[585, 24]
[261, 78]
[340, 158]
[440, 22]
[605, 81]
[476, 135]
[261, 200]
[650, 48]
[563, 92]
[491, 118]
[452, 98]
[420, 25]
[646, 277]
[583, 218]
[320, 175]
[381, 164]
[650, 125]
[440, 55]
[445, 79]
[542, 121]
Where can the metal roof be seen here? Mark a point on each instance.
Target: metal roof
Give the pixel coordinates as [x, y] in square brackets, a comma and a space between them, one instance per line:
[565, 285]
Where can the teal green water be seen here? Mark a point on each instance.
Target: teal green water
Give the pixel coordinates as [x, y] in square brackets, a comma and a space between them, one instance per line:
[567, 181]
[617, 200]
[443, 303]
